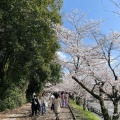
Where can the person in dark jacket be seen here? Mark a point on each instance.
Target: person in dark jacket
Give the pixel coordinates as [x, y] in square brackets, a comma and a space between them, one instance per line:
[35, 105]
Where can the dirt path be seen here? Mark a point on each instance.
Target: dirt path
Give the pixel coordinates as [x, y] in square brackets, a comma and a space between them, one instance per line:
[23, 113]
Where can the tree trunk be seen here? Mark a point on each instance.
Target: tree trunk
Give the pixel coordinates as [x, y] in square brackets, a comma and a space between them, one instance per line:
[1, 75]
[104, 110]
[3, 62]
[84, 104]
[115, 114]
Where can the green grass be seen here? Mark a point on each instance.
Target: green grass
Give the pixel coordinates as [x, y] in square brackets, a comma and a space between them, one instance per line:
[85, 115]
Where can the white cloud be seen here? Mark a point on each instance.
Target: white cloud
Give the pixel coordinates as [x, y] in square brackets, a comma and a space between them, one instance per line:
[62, 56]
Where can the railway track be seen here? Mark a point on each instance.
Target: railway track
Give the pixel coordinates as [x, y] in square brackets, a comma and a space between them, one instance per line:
[65, 114]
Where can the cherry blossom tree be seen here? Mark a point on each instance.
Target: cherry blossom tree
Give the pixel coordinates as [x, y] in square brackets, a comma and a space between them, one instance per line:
[109, 46]
[69, 85]
[95, 62]
[114, 6]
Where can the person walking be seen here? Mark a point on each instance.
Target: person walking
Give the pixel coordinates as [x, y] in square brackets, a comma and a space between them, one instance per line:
[52, 105]
[57, 105]
[43, 104]
[38, 105]
[34, 105]
[51, 100]
[66, 97]
[63, 99]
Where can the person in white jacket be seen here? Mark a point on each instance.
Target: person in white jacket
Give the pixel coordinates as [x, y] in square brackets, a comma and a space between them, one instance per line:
[44, 103]
[57, 105]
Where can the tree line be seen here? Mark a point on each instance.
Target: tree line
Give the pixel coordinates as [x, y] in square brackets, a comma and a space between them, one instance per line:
[27, 49]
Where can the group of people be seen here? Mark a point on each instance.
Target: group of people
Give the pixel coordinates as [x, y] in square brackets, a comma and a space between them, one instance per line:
[57, 101]
[38, 105]
[64, 98]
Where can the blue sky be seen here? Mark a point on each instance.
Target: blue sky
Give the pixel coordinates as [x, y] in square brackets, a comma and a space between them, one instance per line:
[95, 9]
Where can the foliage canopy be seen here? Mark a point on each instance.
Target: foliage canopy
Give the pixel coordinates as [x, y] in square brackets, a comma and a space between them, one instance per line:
[27, 47]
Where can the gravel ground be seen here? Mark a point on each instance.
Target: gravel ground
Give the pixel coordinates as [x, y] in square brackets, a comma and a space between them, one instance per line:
[24, 113]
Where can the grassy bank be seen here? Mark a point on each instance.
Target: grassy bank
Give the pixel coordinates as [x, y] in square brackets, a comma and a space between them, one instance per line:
[84, 115]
